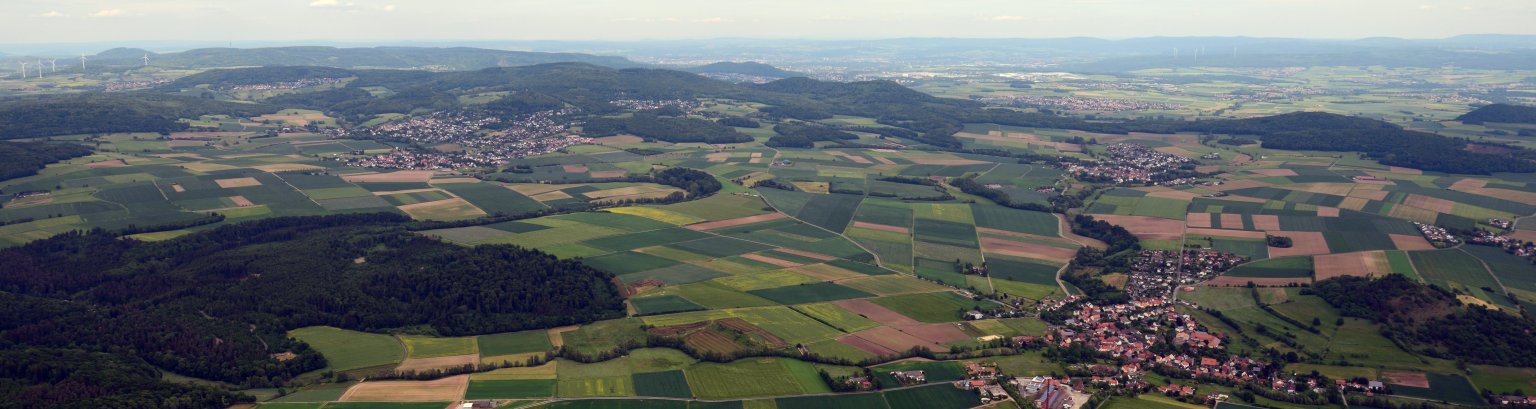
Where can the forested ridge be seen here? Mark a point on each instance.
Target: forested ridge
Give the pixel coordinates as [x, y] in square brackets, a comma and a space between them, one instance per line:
[1501, 113]
[22, 159]
[1432, 321]
[216, 305]
[53, 115]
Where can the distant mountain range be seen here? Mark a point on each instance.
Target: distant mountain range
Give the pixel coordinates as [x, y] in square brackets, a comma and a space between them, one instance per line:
[756, 69]
[455, 59]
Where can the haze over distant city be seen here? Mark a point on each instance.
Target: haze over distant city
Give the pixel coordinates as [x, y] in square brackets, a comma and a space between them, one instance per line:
[64, 21]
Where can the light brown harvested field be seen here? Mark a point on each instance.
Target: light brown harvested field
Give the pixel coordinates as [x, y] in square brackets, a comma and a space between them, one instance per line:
[1228, 281]
[548, 196]
[876, 313]
[1303, 243]
[894, 339]
[447, 181]
[1173, 194]
[1174, 150]
[618, 140]
[421, 364]
[1336, 189]
[881, 227]
[1266, 222]
[624, 191]
[189, 135]
[1365, 264]
[1430, 203]
[718, 156]
[1369, 194]
[1239, 159]
[936, 333]
[574, 168]
[1405, 171]
[115, 163]
[947, 162]
[1198, 220]
[241, 201]
[441, 390]
[865, 345]
[399, 176]
[808, 254]
[756, 160]
[554, 334]
[607, 174]
[770, 260]
[1207, 169]
[1068, 147]
[757, 154]
[1465, 184]
[448, 147]
[1065, 228]
[1527, 235]
[1146, 227]
[185, 143]
[1407, 242]
[1354, 203]
[884, 160]
[177, 187]
[1231, 221]
[286, 167]
[1414, 214]
[1029, 250]
[537, 188]
[1506, 194]
[1325, 211]
[858, 159]
[1236, 184]
[1273, 172]
[721, 224]
[244, 155]
[398, 192]
[206, 167]
[824, 272]
[1244, 199]
[447, 209]
[1405, 378]
[1237, 234]
[237, 182]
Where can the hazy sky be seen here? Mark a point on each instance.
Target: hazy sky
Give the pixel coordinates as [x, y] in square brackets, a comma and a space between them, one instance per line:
[53, 21]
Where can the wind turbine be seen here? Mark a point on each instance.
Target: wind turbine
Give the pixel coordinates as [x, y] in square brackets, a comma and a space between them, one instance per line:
[82, 63]
[146, 59]
[39, 68]
[23, 70]
[53, 65]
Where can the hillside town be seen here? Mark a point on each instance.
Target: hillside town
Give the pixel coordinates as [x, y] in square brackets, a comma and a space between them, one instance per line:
[462, 139]
[1154, 273]
[1134, 164]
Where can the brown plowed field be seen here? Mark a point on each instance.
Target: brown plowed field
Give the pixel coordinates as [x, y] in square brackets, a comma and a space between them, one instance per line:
[441, 390]
[770, 260]
[721, 224]
[1406, 242]
[1303, 243]
[1029, 250]
[1147, 228]
[1198, 220]
[1352, 264]
[876, 313]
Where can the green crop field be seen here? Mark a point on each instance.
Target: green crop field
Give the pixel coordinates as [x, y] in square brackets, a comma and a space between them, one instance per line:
[344, 349]
[663, 304]
[429, 347]
[836, 316]
[1449, 388]
[387, 405]
[809, 293]
[928, 307]
[753, 377]
[510, 389]
[1455, 269]
[1287, 267]
[669, 384]
[513, 343]
[932, 397]
[619, 404]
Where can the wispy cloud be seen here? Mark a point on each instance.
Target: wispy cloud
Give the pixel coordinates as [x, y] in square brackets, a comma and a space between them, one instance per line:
[110, 13]
[53, 14]
[1008, 18]
[389, 7]
[325, 3]
[710, 20]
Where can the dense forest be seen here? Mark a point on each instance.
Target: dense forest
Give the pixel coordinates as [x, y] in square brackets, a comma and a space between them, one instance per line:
[1432, 321]
[105, 113]
[45, 378]
[216, 304]
[22, 159]
[676, 130]
[1500, 113]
